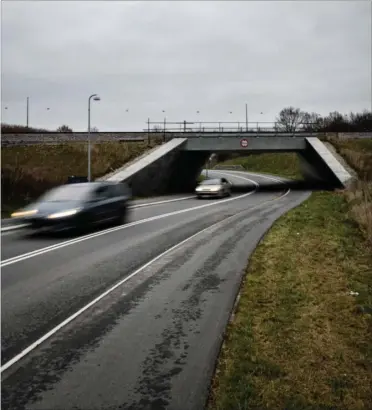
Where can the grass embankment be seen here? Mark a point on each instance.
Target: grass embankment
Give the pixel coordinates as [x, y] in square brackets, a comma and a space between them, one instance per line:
[299, 339]
[286, 164]
[28, 171]
[358, 154]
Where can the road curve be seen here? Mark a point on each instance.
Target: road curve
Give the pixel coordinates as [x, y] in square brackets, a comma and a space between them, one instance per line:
[151, 342]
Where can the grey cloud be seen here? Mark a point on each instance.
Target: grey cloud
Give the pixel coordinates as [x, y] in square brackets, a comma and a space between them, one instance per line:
[182, 57]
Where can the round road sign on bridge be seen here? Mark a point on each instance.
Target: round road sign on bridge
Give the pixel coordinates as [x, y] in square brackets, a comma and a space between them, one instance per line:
[244, 143]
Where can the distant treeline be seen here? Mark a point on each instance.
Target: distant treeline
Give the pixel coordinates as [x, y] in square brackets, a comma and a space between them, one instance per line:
[21, 129]
[290, 119]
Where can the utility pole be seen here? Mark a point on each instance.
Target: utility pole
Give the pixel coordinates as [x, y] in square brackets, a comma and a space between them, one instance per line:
[246, 117]
[95, 98]
[148, 131]
[27, 111]
[165, 124]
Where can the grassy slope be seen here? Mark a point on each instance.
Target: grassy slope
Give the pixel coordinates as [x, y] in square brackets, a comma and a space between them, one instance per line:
[299, 340]
[29, 171]
[358, 153]
[287, 165]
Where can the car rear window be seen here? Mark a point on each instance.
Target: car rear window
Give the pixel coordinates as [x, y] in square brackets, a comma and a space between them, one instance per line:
[69, 192]
[211, 182]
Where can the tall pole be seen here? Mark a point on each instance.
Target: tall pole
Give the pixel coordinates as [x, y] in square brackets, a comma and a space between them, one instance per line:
[148, 131]
[246, 117]
[199, 121]
[27, 111]
[165, 121]
[96, 98]
[89, 138]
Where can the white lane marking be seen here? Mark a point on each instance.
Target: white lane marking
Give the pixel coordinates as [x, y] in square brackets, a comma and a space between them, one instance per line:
[12, 232]
[32, 346]
[41, 251]
[237, 176]
[282, 180]
[15, 227]
[161, 202]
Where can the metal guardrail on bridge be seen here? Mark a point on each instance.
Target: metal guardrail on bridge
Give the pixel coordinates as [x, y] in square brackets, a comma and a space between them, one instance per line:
[225, 126]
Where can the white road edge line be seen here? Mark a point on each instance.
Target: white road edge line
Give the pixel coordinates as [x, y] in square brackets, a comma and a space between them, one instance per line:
[31, 347]
[14, 227]
[161, 202]
[233, 173]
[41, 251]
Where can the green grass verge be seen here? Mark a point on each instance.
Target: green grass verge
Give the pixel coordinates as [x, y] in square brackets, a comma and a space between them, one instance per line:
[286, 164]
[299, 340]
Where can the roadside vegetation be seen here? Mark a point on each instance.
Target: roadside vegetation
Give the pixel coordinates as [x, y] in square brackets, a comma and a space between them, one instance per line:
[301, 336]
[28, 171]
[358, 154]
[286, 164]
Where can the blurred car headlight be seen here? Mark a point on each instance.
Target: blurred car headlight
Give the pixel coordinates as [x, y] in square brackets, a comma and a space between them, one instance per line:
[198, 189]
[215, 189]
[19, 214]
[64, 213]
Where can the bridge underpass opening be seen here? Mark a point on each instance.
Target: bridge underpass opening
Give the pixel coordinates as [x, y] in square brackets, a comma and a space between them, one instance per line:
[306, 162]
[285, 165]
[174, 167]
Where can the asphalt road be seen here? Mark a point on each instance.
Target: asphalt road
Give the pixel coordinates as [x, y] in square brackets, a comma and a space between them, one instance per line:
[151, 342]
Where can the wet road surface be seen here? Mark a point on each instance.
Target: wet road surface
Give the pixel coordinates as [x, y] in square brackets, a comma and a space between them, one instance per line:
[152, 341]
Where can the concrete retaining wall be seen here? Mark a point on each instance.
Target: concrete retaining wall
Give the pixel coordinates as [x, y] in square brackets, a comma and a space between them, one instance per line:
[319, 164]
[157, 173]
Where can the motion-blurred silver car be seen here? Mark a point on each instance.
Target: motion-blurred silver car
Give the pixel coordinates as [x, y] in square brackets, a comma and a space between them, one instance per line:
[216, 187]
[77, 205]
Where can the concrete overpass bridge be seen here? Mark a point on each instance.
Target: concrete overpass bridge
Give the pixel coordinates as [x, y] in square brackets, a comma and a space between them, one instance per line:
[175, 165]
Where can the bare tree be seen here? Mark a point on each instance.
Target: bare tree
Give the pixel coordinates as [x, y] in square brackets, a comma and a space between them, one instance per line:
[94, 129]
[311, 121]
[64, 128]
[289, 119]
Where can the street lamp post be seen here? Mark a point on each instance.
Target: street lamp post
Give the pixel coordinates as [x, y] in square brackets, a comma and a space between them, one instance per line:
[164, 125]
[198, 112]
[27, 110]
[95, 98]
[2, 115]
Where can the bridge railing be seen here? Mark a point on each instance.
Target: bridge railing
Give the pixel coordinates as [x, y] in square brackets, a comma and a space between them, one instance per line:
[205, 127]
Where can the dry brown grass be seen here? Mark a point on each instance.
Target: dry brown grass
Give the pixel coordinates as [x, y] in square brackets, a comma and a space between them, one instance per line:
[359, 196]
[299, 340]
[27, 171]
[358, 154]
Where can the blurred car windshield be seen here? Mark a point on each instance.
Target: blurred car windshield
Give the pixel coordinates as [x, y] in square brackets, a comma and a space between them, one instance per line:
[72, 192]
[211, 182]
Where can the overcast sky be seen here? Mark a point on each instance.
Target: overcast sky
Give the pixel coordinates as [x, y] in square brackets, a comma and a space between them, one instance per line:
[182, 57]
